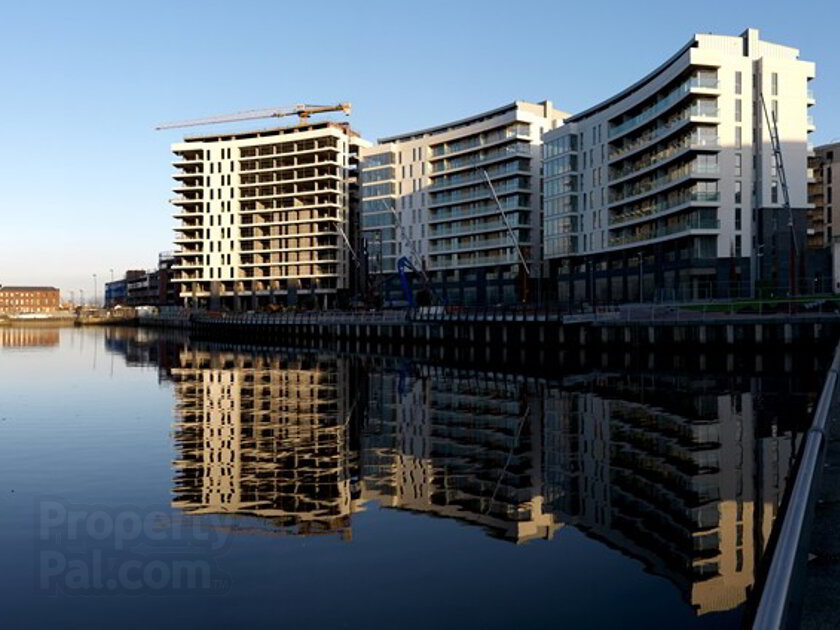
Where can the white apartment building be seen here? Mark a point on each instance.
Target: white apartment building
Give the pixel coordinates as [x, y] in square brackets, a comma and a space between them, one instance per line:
[670, 189]
[261, 213]
[824, 216]
[425, 198]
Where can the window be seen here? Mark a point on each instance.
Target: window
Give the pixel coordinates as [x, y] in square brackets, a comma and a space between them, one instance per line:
[774, 108]
[737, 110]
[737, 137]
[774, 84]
[738, 166]
[774, 192]
[737, 218]
[738, 82]
[738, 188]
[737, 246]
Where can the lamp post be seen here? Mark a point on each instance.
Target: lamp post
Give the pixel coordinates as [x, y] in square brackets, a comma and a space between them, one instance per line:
[95, 296]
[641, 277]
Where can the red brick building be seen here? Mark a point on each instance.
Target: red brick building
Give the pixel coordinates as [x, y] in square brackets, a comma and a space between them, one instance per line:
[28, 299]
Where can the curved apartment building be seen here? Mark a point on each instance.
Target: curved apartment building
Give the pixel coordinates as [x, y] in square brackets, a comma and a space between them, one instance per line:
[671, 190]
[425, 197]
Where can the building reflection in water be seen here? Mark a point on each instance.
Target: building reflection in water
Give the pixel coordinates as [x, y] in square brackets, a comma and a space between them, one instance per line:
[13, 337]
[676, 471]
[265, 436]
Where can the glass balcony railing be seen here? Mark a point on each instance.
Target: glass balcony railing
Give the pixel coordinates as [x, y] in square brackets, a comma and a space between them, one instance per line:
[445, 246]
[672, 97]
[663, 130]
[647, 186]
[810, 94]
[469, 178]
[476, 160]
[443, 230]
[650, 210]
[484, 139]
[508, 203]
[508, 186]
[455, 261]
[810, 121]
[693, 140]
[695, 223]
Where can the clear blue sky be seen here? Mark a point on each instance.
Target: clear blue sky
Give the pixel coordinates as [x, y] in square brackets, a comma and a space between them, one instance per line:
[85, 179]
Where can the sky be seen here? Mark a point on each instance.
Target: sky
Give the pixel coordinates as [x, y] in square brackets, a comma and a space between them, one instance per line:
[86, 179]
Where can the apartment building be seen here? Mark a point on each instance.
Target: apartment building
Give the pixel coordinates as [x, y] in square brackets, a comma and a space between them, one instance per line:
[141, 287]
[15, 300]
[823, 180]
[670, 188]
[425, 198]
[263, 214]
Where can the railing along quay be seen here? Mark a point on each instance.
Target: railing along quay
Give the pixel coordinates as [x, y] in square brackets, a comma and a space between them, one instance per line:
[778, 607]
[604, 325]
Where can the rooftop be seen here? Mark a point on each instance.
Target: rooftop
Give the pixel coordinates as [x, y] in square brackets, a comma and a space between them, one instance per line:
[751, 44]
[273, 131]
[464, 122]
[25, 288]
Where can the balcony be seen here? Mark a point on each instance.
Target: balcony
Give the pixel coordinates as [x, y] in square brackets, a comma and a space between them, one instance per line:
[509, 186]
[181, 200]
[649, 162]
[455, 262]
[658, 232]
[663, 105]
[449, 214]
[691, 114]
[486, 139]
[443, 247]
[644, 188]
[475, 161]
[443, 230]
[653, 210]
[464, 179]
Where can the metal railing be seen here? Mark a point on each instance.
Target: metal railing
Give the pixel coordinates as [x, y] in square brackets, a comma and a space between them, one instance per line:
[790, 555]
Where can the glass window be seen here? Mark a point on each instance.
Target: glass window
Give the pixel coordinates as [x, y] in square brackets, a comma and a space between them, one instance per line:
[738, 165]
[737, 137]
[774, 192]
[738, 191]
[737, 110]
[774, 84]
[738, 82]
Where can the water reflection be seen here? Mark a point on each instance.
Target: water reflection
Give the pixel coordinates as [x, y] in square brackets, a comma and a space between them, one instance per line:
[682, 471]
[13, 337]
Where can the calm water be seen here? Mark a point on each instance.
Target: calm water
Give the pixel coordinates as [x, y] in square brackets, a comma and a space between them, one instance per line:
[148, 481]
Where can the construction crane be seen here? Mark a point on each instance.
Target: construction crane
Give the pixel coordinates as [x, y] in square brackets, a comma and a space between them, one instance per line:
[776, 147]
[303, 112]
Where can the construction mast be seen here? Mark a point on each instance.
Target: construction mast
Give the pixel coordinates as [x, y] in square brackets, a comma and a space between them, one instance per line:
[773, 130]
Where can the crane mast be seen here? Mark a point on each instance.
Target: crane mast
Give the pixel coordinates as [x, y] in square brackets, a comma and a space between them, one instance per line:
[773, 129]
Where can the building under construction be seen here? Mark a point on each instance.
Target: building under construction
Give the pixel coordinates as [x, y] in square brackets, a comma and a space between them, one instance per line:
[265, 217]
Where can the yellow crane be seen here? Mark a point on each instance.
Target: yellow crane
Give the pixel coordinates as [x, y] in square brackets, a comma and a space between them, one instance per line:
[303, 112]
